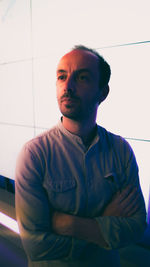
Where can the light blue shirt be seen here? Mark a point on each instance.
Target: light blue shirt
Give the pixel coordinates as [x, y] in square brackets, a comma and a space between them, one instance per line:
[55, 171]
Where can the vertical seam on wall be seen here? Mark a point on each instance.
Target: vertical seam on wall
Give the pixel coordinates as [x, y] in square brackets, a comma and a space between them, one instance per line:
[32, 66]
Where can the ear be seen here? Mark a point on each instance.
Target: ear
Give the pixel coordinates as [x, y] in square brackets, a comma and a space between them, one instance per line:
[104, 93]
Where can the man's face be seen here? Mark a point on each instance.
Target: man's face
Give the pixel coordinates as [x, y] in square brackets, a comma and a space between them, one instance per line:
[78, 91]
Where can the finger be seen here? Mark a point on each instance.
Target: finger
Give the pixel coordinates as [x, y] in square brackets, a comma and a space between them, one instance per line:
[129, 208]
[128, 188]
[121, 196]
[128, 194]
[130, 200]
[132, 211]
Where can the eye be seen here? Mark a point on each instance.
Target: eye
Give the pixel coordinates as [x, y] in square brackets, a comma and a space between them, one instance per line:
[83, 77]
[61, 77]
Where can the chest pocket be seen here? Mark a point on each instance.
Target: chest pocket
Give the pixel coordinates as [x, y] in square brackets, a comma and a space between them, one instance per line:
[62, 186]
[62, 195]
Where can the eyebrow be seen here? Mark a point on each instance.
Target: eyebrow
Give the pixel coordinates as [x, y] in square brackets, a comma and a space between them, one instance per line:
[61, 71]
[78, 71]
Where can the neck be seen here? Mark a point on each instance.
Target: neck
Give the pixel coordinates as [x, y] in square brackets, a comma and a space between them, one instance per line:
[85, 129]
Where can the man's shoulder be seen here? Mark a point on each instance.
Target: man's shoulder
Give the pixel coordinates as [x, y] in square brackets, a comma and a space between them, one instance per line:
[108, 134]
[43, 140]
[114, 140]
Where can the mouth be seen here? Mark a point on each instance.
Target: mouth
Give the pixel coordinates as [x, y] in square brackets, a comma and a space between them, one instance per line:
[68, 99]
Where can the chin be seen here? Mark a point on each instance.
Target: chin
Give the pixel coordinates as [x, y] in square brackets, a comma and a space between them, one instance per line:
[72, 115]
[69, 112]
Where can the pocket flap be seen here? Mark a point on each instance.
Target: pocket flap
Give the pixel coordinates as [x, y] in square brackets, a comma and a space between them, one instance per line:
[62, 186]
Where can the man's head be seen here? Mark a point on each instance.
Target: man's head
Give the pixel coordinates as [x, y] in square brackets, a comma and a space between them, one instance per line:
[104, 68]
[82, 82]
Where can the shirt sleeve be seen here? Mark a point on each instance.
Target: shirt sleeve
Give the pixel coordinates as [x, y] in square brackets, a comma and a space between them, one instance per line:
[122, 231]
[33, 211]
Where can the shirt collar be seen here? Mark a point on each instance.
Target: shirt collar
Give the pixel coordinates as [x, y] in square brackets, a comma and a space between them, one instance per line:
[77, 138]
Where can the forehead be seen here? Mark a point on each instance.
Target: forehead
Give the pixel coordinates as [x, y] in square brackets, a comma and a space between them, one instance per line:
[78, 59]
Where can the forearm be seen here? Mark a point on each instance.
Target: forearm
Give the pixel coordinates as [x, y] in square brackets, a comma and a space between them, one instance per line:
[122, 221]
[81, 228]
[120, 232]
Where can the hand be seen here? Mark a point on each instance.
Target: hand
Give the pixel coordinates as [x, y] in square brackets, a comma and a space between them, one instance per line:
[124, 203]
[61, 223]
[78, 227]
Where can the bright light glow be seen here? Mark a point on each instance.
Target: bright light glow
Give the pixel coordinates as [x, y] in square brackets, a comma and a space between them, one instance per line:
[9, 222]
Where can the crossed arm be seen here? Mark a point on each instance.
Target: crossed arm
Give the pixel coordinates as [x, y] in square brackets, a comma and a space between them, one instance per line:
[123, 204]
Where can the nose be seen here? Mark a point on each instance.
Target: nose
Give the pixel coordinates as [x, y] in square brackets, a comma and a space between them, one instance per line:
[70, 84]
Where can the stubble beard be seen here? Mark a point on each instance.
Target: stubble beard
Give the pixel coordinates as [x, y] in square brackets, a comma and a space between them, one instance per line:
[78, 113]
[69, 112]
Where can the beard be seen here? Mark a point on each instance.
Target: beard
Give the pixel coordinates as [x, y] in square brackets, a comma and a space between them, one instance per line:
[76, 109]
[71, 111]
[70, 106]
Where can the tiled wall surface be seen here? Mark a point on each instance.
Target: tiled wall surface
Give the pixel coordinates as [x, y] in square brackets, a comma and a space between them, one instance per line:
[34, 34]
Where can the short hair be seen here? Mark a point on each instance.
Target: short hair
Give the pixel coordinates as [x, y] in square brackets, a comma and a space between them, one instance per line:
[104, 67]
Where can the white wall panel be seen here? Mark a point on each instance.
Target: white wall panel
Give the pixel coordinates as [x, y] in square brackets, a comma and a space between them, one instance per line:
[61, 24]
[126, 111]
[39, 131]
[15, 30]
[46, 108]
[142, 151]
[12, 139]
[16, 96]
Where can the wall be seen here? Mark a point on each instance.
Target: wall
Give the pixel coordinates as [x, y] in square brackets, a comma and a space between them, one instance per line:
[35, 34]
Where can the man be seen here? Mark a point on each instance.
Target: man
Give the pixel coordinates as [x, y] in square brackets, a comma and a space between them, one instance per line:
[78, 197]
